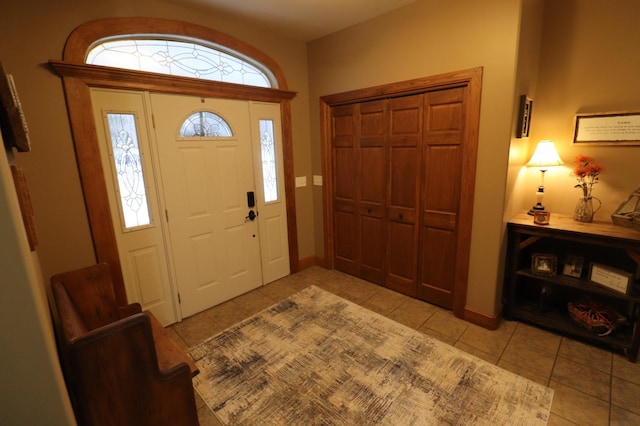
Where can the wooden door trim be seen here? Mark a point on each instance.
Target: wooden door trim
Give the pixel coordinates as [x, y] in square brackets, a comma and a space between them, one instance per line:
[85, 36]
[408, 87]
[78, 79]
[472, 79]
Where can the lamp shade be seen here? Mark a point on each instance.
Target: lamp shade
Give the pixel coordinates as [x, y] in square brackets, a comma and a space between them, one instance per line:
[545, 155]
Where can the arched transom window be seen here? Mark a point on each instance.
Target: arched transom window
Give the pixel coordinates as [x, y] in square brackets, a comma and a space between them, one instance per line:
[205, 124]
[180, 57]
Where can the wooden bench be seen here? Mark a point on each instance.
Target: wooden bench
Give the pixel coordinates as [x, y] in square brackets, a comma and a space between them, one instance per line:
[120, 364]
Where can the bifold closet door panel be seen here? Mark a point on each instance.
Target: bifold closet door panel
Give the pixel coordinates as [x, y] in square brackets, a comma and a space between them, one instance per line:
[345, 174]
[443, 154]
[371, 135]
[403, 192]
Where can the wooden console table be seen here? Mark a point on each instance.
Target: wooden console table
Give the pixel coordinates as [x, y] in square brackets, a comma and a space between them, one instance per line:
[540, 297]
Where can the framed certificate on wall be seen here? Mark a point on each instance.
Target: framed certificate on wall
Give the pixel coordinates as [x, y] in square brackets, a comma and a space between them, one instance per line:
[613, 128]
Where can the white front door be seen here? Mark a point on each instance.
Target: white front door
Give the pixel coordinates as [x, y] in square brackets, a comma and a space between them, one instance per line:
[206, 157]
[123, 134]
[200, 246]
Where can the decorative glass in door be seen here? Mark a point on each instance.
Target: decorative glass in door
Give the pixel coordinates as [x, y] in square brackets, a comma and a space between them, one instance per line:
[127, 164]
[185, 58]
[205, 124]
[269, 170]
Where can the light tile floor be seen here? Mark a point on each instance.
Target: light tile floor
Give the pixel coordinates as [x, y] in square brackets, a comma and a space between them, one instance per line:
[592, 386]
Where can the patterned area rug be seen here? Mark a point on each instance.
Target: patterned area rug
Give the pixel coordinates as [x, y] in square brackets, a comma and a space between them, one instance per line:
[317, 359]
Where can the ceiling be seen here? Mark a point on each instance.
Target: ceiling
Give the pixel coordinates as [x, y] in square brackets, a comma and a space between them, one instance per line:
[300, 19]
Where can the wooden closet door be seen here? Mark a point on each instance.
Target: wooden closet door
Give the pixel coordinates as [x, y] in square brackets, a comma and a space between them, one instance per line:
[404, 158]
[345, 177]
[359, 155]
[371, 140]
[443, 168]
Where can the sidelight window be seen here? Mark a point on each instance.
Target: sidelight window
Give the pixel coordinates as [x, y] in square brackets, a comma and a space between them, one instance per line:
[268, 152]
[127, 163]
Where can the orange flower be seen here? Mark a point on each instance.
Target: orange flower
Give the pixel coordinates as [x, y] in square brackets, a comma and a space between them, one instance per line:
[586, 172]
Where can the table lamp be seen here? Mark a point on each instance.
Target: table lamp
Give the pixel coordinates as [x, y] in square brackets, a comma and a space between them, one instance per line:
[544, 156]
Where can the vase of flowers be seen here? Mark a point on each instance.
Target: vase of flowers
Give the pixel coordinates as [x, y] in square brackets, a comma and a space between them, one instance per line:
[586, 173]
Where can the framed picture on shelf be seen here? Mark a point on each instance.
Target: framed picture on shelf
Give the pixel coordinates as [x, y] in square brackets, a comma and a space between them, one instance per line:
[573, 266]
[611, 278]
[544, 264]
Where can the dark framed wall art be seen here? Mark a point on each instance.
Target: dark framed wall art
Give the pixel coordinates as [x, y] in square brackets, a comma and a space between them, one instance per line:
[12, 122]
[524, 118]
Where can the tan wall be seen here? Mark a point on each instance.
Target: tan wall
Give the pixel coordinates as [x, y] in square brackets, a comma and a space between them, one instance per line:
[34, 32]
[32, 390]
[589, 63]
[526, 84]
[423, 39]
[531, 25]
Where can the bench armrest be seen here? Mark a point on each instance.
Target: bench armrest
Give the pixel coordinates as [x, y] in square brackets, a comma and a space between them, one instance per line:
[70, 324]
[121, 359]
[169, 352]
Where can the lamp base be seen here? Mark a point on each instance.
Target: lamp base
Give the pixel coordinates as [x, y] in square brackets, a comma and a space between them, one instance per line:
[538, 208]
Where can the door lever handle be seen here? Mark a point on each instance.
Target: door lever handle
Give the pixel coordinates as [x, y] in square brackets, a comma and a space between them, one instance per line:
[251, 217]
